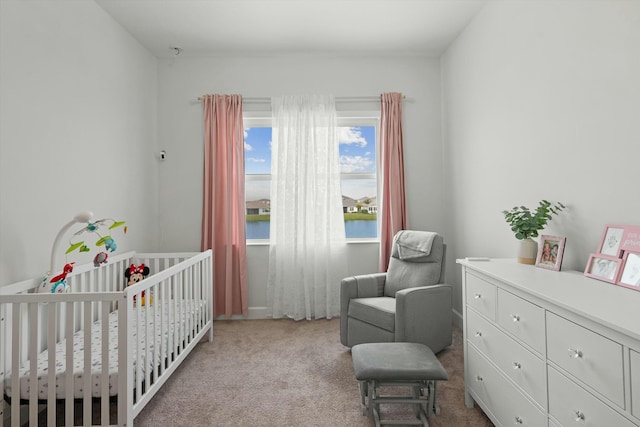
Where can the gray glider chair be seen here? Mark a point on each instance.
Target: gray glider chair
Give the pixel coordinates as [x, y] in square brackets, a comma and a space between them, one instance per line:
[408, 303]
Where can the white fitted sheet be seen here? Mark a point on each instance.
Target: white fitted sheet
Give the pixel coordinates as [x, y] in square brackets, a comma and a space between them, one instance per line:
[166, 339]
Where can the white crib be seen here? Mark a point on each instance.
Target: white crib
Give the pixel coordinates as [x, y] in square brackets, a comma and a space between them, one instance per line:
[43, 336]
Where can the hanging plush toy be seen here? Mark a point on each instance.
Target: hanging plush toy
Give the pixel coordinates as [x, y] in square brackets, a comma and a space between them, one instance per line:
[57, 284]
[134, 274]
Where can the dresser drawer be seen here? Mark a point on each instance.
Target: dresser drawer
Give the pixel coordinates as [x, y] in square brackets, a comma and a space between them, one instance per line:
[594, 359]
[481, 295]
[495, 393]
[522, 319]
[635, 383]
[519, 364]
[572, 405]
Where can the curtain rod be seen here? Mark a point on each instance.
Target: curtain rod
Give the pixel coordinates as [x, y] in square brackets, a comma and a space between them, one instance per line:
[267, 100]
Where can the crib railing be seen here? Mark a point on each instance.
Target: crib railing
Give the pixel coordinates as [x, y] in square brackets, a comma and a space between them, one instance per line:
[177, 292]
[30, 323]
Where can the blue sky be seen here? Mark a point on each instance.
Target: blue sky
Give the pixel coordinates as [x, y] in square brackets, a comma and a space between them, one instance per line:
[357, 155]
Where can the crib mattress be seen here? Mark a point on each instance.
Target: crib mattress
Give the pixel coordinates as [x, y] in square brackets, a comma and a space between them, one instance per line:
[185, 309]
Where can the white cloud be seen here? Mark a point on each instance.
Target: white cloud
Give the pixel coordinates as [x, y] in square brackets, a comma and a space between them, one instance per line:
[354, 164]
[255, 160]
[351, 135]
[247, 146]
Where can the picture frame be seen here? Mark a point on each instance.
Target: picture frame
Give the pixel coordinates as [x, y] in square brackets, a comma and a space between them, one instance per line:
[603, 267]
[629, 275]
[611, 241]
[550, 252]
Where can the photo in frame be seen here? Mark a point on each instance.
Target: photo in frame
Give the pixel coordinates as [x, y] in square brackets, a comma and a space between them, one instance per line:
[610, 243]
[603, 267]
[550, 251]
[630, 272]
[630, 239]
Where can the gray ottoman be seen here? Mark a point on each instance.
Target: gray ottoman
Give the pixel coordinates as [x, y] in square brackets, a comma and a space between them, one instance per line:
[411, 365]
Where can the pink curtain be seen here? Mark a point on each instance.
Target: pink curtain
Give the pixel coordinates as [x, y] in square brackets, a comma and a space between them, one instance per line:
[223, 214]
[393, 212]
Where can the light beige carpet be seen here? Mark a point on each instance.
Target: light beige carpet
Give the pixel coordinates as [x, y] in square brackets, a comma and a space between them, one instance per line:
[285, 373]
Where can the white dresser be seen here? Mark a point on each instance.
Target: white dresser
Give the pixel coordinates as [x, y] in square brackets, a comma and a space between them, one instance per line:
[548, 348]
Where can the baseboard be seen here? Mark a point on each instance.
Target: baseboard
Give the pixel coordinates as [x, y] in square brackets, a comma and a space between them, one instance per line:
[255, 313]
[457, 318]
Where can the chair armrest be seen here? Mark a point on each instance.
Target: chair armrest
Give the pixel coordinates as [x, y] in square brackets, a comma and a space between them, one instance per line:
[424, 314]
[362, 286]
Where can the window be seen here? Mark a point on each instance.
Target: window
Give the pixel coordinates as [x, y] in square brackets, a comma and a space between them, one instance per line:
[358, 154]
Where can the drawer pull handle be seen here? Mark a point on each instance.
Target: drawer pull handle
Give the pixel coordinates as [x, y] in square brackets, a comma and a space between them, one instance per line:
[477, 296]
[515, 317]
[579, 416]
[516, 365]
[478, 334]
[519, 420]
[575, 353]
[479, 378]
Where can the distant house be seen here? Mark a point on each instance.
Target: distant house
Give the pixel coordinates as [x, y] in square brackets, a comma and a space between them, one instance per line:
[349, 205]
[364, 204]
[258, 207]
[368, 204]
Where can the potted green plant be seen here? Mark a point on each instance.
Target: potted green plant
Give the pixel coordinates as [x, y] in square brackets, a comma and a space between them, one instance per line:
[526, 223]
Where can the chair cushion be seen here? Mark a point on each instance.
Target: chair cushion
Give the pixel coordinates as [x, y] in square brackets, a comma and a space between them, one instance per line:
[396, 361]
[403, 274]
[380, 311]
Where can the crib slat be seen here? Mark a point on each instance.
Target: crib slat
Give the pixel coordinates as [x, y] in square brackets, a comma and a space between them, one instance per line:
[68, 378]
[188, 303]
[86, 375]
[51, 378]
[33, 363]
[138, 350]
[164, 350]
[3, 355]
[183, 315]
[104, 377]
[157, 318]
[200, 296]
[147, 339]
[173, 315]
[125, 350]
[15, 365]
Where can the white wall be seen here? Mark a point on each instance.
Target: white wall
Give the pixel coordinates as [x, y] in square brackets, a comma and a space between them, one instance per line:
[77, 130]
[542, 100]
[183, 79]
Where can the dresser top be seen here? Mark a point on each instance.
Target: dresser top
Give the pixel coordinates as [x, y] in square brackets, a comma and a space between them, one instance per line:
[616, 307]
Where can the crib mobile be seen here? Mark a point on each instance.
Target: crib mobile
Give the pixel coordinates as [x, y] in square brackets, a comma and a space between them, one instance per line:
[58, 283]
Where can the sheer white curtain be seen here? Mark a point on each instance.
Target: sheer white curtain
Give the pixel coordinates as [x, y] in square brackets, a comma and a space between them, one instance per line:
[308, 244]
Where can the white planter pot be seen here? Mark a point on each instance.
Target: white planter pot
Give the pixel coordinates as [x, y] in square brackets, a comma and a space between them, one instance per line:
[528, 251]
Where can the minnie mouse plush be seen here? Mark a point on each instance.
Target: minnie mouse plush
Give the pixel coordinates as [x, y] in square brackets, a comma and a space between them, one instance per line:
[136, 273]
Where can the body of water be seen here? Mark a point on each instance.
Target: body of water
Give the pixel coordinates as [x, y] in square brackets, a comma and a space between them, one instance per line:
[353, 229]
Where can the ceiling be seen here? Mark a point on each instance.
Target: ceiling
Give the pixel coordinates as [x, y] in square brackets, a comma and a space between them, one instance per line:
[266, 27]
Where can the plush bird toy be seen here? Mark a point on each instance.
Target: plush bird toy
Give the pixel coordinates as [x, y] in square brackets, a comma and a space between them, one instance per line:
[57, 284]
[134, 274]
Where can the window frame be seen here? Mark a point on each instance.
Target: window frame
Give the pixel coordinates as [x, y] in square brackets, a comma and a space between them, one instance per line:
[344, 119]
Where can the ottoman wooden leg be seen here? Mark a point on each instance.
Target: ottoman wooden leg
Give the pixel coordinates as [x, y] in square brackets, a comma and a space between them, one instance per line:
[364, 405]
[433, 406]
